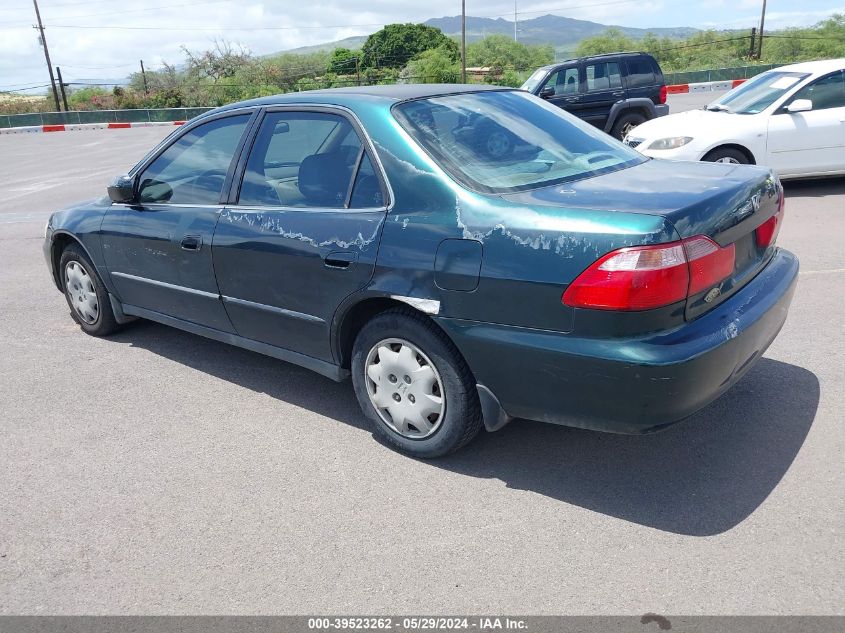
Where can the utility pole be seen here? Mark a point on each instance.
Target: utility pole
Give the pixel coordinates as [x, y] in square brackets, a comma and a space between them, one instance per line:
[463, 41]
[762, 23]
[40, 28]
[514, 20]
[753, 48]
[144, 76]
[358, 69]
[62, 86]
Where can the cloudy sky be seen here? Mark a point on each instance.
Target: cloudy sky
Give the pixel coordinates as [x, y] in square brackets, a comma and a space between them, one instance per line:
[98, 40]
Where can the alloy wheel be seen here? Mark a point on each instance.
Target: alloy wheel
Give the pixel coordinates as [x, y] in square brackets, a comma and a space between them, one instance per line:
[80, 290]
[405, 388]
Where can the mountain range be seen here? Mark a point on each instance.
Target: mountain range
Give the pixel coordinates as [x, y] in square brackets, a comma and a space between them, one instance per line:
[561, 32]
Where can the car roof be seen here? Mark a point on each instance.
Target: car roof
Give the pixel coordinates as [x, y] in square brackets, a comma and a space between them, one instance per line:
[591, 57]
[820, 67]
[389, 93]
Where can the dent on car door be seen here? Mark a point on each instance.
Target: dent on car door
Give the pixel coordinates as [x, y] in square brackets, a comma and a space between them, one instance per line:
[812, 141]
[158, 250]
[304, 231]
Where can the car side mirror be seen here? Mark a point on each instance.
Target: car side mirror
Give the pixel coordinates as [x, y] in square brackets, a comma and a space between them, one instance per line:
[547, 91]
[122, 190]
[800, 105]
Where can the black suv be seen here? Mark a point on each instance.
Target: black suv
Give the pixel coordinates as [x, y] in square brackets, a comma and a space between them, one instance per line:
[615, 92]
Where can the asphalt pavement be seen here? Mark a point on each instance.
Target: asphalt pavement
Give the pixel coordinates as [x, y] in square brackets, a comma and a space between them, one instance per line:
[156, 472]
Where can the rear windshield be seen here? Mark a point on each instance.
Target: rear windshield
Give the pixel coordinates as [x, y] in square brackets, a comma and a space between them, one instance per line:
[506, 141]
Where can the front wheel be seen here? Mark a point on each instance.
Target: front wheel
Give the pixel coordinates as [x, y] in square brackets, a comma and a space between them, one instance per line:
[625, 124]
[414, 386]
[85, 293]
[727, 155]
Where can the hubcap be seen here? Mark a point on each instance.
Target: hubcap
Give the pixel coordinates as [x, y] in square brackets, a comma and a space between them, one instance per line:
[80, 289]
[627, 129]
[405, 388]
[728, 159]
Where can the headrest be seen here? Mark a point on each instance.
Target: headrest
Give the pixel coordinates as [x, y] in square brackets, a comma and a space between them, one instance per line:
[324, 180]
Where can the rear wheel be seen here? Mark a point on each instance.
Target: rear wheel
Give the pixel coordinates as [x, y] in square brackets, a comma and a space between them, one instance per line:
[86, 296]
[626, 123]
[414, 386]
[727, 155]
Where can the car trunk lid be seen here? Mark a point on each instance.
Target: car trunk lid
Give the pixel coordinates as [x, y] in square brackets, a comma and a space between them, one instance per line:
[725, 202]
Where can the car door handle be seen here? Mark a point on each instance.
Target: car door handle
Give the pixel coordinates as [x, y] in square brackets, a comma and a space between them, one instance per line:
[340, 259]
[573, 99]
[192, 242]
[618, 93]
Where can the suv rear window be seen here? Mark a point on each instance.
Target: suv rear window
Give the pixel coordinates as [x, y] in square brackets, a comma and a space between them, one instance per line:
[640, 72]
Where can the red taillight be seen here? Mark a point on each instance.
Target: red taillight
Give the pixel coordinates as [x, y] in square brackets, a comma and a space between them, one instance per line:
[767, 232]
[647, 277]
[663, 92]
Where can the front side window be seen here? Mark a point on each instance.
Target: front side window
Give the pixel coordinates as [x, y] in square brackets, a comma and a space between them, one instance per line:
[192, 170]
[301, 159]
[604, 76]
[564, 81]
[827, 92]
[505, 141]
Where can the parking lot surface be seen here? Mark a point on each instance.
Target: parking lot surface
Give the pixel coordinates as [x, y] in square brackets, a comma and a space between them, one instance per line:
[159, 472]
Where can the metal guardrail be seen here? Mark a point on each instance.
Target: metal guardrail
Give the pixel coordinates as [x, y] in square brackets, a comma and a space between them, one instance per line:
[716, 74]
[147, 115]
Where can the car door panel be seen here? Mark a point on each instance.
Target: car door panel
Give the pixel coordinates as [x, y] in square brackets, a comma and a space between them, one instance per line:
[813, 141]
[283, 270]
[158, 250]
[566, 82]
[603, 88]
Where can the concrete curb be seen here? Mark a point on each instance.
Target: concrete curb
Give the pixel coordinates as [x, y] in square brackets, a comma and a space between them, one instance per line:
[65, 127]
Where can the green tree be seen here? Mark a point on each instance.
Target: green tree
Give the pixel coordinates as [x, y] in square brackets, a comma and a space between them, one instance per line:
[396, 44]
[610, 41]
[436, 65]
[500, 53]
[343, 61]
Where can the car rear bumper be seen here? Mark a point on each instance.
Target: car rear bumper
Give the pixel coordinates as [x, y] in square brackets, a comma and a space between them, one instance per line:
[630, 385]
[661, 109]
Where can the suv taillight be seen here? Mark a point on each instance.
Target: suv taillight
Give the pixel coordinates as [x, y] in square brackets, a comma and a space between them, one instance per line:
[663, 92]
[648, 277]
[767, 232]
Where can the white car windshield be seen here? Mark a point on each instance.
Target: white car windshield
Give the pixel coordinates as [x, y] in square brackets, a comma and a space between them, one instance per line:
[504, 141]
[757, 94]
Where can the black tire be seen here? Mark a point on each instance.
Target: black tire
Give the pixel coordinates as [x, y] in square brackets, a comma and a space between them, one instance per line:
[727, 155]
[100, 322]
[626, 122]
[461, 420]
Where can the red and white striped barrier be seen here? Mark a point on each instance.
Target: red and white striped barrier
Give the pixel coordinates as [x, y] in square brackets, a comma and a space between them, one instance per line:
[705, 86]
[64, 127]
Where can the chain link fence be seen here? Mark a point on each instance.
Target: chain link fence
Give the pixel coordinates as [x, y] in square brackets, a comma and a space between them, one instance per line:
[100, 116]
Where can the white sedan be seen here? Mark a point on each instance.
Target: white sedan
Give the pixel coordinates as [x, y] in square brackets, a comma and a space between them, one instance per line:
[790, 118]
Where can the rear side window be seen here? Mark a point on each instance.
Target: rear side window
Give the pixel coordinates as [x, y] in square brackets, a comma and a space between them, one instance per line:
[306, 159]
[192, 170]
[640, 73]
[827, 92]
[603, 76]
